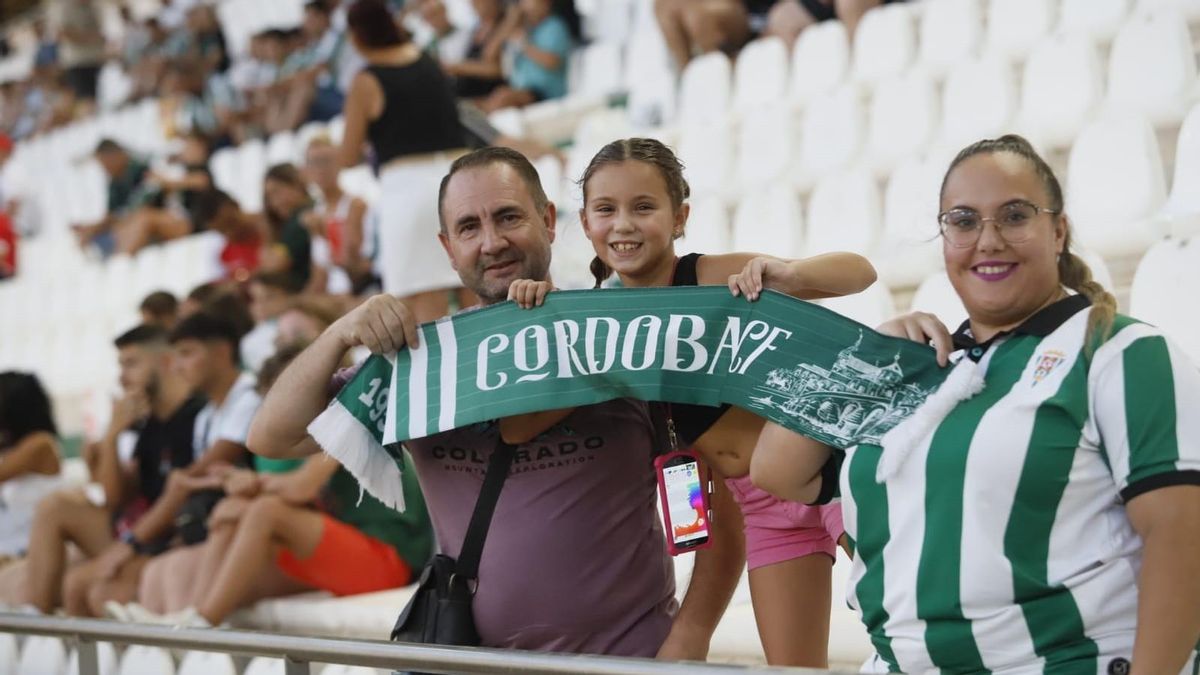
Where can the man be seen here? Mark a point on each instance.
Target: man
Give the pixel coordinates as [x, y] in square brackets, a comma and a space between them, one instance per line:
[575, 559]
[159, 408]
[206, 358]
[128, 191]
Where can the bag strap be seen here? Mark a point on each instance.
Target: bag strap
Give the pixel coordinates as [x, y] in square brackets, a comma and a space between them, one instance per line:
[485, 506]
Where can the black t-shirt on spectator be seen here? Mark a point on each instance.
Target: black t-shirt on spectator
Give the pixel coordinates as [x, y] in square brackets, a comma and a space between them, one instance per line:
[163, 445]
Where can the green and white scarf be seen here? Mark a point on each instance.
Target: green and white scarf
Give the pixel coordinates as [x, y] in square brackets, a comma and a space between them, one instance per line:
[789, 361]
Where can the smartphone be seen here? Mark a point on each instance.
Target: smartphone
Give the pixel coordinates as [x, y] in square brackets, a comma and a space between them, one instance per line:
[684, 502]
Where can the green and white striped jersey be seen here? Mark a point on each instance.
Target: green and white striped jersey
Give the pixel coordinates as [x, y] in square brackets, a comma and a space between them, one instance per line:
[1001, 542]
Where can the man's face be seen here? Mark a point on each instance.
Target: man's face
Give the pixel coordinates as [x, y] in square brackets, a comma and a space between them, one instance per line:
[494, 234]
[194, 360]
[139, 366]
[315, 24]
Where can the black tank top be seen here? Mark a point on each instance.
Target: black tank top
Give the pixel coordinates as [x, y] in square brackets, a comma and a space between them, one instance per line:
[419, 111]
[691, 421]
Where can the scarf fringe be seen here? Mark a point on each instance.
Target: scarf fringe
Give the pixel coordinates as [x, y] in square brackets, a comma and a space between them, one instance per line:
[345, 439]
[965, 381]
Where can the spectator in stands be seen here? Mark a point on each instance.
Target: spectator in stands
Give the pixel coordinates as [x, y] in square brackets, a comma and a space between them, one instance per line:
[80, 45]
[498, 227]
[195, 102]
[179, 197]
[159, 407]
[404, 106]
[271, 294]
[478, 71]
[202, 39]
[286, 205]
[206, 356]
[445, 42]
[701, 26]
[161, 309]
[244, 233]
[29, 458]
[198, 298]
[307, 88]
[128, 191]
[542, 43]
[144, 57]
[339, 219]
[1051, 483]
[788, 17]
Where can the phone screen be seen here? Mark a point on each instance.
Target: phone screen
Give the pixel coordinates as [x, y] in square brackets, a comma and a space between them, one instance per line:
[685, 503]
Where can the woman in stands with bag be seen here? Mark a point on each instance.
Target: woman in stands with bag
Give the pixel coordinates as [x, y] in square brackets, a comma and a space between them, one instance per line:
[403, 105]
[1040, 510]
[634, 209]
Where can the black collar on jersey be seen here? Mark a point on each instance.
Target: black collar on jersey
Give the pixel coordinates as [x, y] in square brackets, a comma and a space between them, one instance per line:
[1044, 322]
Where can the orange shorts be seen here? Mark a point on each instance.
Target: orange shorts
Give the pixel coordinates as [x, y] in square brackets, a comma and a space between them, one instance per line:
[347, 562]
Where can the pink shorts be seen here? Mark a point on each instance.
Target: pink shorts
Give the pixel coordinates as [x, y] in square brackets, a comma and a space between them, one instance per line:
[778, 530]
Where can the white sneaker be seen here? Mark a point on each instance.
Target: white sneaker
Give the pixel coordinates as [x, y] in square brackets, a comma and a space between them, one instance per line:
[190, 618]
[116, 611]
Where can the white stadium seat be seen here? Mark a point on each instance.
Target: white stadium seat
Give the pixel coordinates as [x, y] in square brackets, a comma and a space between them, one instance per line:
[1189, 8]
[707, 154]
[765, 143]
[263, 665]
[885, 44]
[831, 135]
[936, 296]
[705, 90]
[206, 663]
[1094, 19]
[707, 229]
[1115, 185]
[9, 654]
[106, 658]
[760, 75]
[282, 149]
[600, 69]
[650, 78]
[820, 61]
[870, 308]
[1152, 68]
[1170, 270]
[1014, 27]
[1061, 89]
[769, 221]
[902, 121]
[843, 214]
[1182, 210]
[910, 249]
[43, 656]
[979, 101]
[951, 32]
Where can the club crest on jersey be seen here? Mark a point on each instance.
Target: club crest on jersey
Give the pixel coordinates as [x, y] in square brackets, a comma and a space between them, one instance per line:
[1046, 365]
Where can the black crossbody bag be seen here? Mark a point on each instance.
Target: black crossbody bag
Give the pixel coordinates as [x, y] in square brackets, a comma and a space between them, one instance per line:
[440, 611]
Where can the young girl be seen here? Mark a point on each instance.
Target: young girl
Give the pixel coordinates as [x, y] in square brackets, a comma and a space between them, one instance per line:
[286, 205]
[634, 208]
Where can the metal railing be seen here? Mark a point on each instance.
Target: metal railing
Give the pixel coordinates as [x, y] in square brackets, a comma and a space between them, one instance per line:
[299, 652]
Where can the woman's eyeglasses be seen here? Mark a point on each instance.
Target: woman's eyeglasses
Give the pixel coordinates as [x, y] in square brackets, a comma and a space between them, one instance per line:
[962, 227]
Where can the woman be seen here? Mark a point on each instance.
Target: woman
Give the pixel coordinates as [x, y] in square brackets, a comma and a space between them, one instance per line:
[541, 41]
[289, 247]
[1045, 516]
[339, 219]
[29, 457]
[634, 209]
[479, 72]
[404, 106]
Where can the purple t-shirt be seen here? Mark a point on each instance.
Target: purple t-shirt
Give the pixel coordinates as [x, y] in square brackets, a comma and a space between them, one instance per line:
[575, 560]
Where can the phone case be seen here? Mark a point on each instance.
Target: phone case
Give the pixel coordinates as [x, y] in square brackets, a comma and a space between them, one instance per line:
[659, 464]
